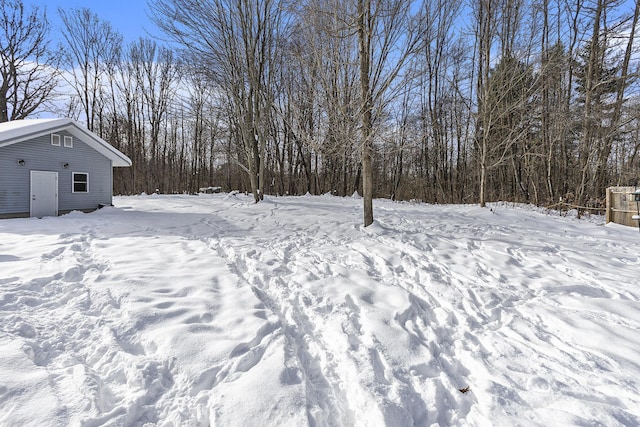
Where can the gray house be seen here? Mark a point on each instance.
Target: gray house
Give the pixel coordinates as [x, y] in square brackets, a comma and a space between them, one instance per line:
[53, 166]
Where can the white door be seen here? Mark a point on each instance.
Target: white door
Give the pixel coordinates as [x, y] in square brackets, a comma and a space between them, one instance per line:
[44, 193]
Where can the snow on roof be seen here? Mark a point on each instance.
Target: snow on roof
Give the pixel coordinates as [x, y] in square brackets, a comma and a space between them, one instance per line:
[21, 130]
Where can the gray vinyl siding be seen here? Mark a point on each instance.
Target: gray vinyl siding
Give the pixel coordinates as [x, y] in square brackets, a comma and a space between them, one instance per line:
[39, 154]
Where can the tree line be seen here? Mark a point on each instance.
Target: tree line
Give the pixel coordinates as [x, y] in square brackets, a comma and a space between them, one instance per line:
[433, 100]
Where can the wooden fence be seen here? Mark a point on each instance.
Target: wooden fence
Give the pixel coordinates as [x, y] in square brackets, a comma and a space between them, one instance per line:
[621, 206]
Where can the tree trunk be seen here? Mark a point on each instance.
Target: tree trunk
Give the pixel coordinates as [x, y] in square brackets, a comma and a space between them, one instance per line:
[585, 149]
[364, 39]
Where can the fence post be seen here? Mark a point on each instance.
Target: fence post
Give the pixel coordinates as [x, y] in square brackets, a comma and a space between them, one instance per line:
[607, 214]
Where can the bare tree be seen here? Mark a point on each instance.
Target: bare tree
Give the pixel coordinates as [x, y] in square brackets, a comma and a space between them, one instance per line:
[504, 92]
[298, 112]
[234, 43]
[622, 84]
[321, 90]
[28, 74]
[131, 112]
[389, 33]
[485, 33]
[155, 72]
[601, 82]
[384, 96]
[92, 47]
[433, 66]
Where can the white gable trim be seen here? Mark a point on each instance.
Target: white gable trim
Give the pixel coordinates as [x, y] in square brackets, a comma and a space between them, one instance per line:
[22, 130]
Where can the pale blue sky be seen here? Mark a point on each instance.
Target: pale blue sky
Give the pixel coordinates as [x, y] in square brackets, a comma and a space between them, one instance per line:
[128, 17]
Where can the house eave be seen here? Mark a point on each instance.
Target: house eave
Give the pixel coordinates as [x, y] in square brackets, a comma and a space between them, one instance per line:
[29, 129]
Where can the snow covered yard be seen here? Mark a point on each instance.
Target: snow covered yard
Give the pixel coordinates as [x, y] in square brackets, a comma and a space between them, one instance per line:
[198, 310]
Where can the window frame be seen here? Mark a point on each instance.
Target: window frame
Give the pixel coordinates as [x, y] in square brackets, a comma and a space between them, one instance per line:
[74, 182]
[68, 139]
[54, 137]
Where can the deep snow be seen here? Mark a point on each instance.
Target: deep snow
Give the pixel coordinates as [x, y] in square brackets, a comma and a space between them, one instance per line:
[198, 310]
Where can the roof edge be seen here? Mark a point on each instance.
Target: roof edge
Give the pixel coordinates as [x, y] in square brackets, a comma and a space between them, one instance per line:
[23, 130]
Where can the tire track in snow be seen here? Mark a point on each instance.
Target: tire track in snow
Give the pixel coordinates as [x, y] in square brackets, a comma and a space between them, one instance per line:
[305, 356]
[397, 392]
[455, 320]
[353, 364]
[432, 327]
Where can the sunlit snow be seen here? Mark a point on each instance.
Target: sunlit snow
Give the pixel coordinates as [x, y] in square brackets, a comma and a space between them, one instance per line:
[212, 310]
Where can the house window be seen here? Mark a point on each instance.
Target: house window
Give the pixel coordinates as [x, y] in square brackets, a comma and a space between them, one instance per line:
[55, 139]
[80, 182]
[68, 141]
